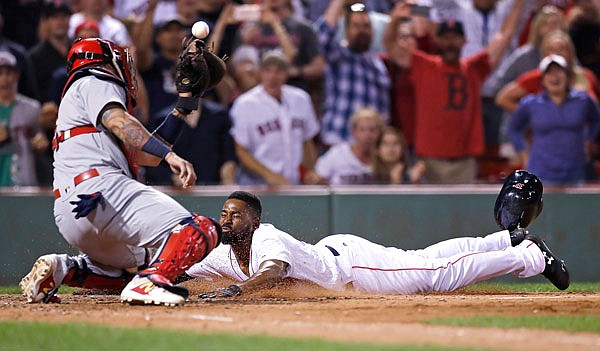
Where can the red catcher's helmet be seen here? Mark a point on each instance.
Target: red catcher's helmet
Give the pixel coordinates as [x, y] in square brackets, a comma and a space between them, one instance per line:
[94, 52]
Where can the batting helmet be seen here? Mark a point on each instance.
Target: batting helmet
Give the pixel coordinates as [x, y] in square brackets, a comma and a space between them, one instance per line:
[94, 52]
[520, 201]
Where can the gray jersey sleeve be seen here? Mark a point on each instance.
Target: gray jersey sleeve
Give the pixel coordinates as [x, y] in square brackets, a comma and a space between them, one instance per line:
[100, 93]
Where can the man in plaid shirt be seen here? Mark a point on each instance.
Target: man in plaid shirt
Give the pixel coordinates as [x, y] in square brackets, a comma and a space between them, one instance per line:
[355, 77]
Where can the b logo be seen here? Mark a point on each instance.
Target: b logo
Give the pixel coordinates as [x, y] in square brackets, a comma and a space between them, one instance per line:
[519, 186]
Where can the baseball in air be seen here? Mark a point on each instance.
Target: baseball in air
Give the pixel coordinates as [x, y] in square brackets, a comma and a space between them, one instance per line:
[200, 30]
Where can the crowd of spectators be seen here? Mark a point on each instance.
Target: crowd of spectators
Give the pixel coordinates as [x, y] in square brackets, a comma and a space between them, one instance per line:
[329, 92]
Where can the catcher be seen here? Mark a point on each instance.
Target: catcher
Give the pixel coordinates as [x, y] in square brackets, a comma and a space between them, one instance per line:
[258, 255]
[99, 207]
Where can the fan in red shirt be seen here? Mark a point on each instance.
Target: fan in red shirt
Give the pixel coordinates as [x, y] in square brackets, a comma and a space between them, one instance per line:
[448, 132]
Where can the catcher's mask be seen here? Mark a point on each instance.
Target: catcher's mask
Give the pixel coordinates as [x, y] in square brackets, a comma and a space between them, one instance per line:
[95, 51]
[520, 201]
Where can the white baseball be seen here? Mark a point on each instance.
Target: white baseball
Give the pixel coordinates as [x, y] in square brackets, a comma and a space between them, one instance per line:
[200, 30]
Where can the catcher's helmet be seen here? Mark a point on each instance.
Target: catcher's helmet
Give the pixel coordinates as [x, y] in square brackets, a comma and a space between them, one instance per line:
[520, 201]
[94, 52]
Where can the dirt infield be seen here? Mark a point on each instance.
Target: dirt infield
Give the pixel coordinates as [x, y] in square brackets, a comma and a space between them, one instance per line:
[300, 311]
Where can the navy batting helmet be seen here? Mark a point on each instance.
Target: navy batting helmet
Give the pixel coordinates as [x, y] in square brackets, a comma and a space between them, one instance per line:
[520, 201]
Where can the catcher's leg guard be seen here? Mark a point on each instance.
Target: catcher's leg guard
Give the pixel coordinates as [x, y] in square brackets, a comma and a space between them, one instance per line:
[187, 244]
[81, 276]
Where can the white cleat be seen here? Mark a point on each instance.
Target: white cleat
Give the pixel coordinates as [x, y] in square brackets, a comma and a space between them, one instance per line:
[141, 290]
[39, 285]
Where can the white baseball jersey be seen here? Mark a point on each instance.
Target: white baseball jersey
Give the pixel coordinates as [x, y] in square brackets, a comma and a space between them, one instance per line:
[110, 28]
[307, 262]
[340, 259]
[273, 131]
[340, 166]
[133, 216]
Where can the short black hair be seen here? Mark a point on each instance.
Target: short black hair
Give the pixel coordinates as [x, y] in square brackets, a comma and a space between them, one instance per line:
[250, 199]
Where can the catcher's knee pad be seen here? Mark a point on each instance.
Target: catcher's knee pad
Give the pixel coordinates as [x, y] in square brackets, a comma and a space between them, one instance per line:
[81, 276]
[186, 245]
[520, 201]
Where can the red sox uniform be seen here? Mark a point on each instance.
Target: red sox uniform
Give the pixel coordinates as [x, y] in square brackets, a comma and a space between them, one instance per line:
[343, 260]
[273, 131]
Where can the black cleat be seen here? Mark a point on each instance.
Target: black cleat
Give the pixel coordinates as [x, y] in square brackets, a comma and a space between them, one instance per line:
[517, 236]
[556, 270]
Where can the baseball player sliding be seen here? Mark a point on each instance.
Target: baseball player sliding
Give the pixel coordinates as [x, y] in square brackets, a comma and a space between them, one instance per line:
[258, 255]
[99, 206]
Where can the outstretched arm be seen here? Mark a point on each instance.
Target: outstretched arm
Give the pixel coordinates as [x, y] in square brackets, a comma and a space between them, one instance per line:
[269, 273]
[131, 132]
[501, 41]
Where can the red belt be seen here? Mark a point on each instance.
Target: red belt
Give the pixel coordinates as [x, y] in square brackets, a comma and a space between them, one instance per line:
[78, 179]
[67, 134]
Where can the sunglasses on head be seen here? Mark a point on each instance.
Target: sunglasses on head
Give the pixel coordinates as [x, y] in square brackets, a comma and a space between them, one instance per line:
[358, 7]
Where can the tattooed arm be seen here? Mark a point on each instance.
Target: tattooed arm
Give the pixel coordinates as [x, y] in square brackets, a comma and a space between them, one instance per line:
[133, 133]
[124, 126]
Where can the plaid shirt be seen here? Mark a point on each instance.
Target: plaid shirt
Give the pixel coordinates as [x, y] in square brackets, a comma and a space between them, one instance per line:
[352, 81]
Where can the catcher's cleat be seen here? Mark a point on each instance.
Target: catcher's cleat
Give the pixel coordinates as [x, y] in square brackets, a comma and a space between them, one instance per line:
[556, 270]
[39, 285]
[141, 290]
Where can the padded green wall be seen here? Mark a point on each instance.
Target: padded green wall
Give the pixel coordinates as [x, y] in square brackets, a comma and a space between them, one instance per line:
[405, 217]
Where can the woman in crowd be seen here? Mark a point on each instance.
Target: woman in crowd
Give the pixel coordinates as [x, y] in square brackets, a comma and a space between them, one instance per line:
[561, 120]
[392, 160]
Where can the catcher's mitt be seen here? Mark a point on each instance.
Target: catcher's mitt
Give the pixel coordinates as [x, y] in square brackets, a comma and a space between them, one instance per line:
[197, 68]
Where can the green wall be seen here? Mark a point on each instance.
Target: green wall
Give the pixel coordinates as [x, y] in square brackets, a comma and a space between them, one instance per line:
[407, 217]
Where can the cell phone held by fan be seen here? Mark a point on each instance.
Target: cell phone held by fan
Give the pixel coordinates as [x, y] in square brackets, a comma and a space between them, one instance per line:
[420, 10]
[246, 12]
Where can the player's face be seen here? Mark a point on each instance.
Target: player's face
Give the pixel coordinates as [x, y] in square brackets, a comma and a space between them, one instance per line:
[237, 221]
[555, 80]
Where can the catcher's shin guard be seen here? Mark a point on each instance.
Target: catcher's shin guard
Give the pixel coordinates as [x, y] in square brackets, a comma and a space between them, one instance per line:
[83, 277]
[187, 244]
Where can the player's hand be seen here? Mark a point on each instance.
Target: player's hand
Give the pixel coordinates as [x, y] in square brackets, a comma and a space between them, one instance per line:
[230, 291]
[182, 168]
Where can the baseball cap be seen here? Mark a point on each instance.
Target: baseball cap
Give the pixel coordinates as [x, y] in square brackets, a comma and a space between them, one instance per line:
[87, 24]
[175, 21]
[450, 25]
[274, 57]
[7, 59]
[550, 59]
[245, 53]
[55, 7]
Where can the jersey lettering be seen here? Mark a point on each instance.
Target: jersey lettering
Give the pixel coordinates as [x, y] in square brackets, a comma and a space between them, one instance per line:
[268, 127]
[457, 92]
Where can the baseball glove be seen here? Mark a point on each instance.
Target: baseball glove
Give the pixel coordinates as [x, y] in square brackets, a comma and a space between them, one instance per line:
[197, 69]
